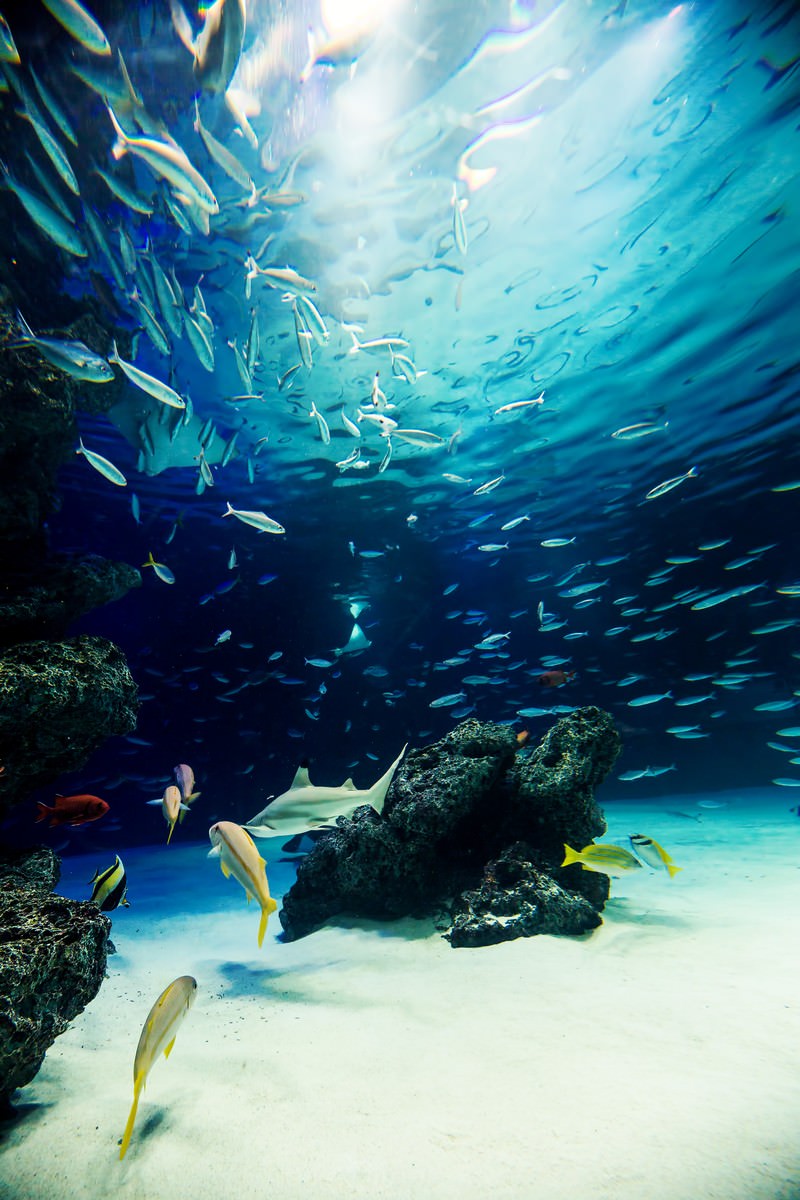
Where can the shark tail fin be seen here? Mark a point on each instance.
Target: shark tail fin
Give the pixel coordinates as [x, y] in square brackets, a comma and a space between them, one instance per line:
[376, 796]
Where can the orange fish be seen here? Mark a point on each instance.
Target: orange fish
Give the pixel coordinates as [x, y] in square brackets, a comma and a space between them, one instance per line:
[72, 810]
[522, 737]
[555, 678]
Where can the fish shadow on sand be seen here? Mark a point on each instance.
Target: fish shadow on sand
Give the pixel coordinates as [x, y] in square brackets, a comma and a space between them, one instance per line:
[22, 1119]
[624, 914]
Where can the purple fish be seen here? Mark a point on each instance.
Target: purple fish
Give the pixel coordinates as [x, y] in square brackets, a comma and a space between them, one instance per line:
[184, 778]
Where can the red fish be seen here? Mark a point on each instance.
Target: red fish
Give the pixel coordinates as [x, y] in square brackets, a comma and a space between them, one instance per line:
[555, 678]
[72, 810]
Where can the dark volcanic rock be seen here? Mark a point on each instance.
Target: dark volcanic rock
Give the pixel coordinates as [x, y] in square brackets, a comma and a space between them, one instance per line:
[52, 962]
[46, 599]
[58, 702]
[453, 807]
[516, 898]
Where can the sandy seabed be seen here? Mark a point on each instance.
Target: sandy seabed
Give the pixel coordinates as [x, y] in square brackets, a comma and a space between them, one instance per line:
[658, 1057]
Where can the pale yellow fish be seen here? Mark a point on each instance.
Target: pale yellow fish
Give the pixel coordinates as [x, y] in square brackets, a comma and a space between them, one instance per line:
[239, 857]
[157, 1036]
[605, 860]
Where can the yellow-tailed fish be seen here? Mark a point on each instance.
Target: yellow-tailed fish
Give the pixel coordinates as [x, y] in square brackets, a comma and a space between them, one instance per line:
[158, 1034]
[651, 853]
[239, 857]
[605, 860]
[172, 807]
[162, 571]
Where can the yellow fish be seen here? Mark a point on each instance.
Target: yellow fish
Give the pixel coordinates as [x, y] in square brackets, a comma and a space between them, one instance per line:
[238, 857]
[651, 853]
[158, 1034]
[605, 860]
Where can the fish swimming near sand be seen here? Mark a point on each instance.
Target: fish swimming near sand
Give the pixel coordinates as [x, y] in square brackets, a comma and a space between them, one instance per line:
[305, 807]
[605, 860]
[239, 857]
[158, 1034]
[654, 855]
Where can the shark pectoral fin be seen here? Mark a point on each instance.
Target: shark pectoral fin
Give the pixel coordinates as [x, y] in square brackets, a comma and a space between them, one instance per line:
[169, 1048]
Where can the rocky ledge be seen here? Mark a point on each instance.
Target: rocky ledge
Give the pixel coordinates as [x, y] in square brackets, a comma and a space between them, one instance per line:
[473, 824]
[52, 962]
[59, 701]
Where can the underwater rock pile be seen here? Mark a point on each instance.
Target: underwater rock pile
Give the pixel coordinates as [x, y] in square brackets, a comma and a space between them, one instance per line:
[52, 963]
[58, 702]
[472, 825]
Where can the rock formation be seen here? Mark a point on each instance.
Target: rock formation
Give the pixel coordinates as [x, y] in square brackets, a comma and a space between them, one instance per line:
[471, 823]
[59, 701]
[52, 963]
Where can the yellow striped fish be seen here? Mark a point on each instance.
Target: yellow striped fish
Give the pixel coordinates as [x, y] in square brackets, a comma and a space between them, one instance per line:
[239, 857]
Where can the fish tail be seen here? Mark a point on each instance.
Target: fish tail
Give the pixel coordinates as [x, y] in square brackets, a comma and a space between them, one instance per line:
[673, 870]
[228, 510]
[126, 1137]
[120, 146]
[570, 856]
[150, 560]
[26, 329]
[171, 829]
[262, 926]
[42, 810]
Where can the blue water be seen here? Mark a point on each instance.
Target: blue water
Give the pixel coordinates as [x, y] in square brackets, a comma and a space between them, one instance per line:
[630, 173]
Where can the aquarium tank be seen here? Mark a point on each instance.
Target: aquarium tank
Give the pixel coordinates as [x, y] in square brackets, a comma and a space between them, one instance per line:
[399, 599]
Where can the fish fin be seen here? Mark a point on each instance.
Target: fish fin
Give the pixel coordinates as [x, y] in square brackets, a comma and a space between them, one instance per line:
[42, 810]
[672, 869]
[262, 925]
[120, 146]
[225, 869]
[171, 831]
[126, 1137]
[570, 856]
[301, 779]
[349, 786]
[26, 329]
[159, 800]
[125, 903]
[168, 1050]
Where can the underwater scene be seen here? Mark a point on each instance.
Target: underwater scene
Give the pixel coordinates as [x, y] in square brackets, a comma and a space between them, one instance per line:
[399, 599]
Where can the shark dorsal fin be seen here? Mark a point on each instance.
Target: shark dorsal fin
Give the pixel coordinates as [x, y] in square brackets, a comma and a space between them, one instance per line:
[301, 778]
[349, 786]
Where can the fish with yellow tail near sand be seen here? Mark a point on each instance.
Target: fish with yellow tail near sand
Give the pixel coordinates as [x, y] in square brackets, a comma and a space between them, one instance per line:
[238, 857]
[605, 860]
[654, 855]
[158, 1034]
[172, 807]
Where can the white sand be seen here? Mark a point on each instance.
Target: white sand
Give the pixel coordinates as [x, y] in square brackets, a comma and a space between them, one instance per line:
[658, 1057]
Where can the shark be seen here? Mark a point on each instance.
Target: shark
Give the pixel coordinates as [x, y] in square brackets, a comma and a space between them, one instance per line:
[305, 807]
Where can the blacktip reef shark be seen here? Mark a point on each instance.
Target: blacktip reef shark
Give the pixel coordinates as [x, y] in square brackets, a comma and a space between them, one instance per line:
[306, 807]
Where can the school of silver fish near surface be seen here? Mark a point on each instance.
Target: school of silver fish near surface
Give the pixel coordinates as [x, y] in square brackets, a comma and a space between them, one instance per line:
[304, 306]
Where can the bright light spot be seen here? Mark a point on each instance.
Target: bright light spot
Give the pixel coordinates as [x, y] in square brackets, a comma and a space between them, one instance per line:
[342, 18]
